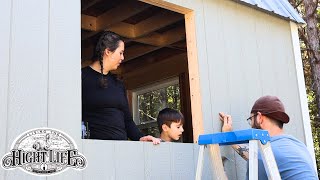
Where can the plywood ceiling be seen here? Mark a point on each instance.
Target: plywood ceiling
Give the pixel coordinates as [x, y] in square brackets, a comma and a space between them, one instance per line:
[151, 33]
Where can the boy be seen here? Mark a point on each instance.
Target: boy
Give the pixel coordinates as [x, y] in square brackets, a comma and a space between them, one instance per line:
[170, 123]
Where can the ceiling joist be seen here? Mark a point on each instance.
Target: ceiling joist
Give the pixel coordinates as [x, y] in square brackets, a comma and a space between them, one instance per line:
[145, 28]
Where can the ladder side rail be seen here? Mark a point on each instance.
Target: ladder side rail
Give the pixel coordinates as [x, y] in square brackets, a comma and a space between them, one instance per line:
[200, 162]
[269, 161]
[253, 159]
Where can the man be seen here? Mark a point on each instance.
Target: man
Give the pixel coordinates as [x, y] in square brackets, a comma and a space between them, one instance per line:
[292, 156]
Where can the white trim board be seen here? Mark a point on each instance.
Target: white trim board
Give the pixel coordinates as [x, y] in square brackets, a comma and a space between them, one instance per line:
[302, 91]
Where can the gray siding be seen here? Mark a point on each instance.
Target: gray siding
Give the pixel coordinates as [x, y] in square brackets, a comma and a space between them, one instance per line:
[138, 160]
[5, 17]
[24, 68]
[243, 54]
[64, 81]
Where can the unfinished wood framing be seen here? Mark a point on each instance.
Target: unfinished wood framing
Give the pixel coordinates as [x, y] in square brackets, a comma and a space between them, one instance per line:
[158, 35]
[153, 29]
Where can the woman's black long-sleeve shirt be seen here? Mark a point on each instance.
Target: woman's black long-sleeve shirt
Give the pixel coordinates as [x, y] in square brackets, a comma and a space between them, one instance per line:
[106, 109]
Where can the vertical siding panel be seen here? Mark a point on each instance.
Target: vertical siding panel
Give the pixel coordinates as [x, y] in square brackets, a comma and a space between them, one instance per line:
[266, 54]
[5, 17]
[203, 59]
[284, 70]
[253, 61]
[287, 76]
[27, 106]
[64, 105]
[198, 8]
[101, 160]
[182, 161]
[216, 62]
[64, 67]
[222, 60]
[248, 58]
[157, 161]
[250, 61]
[129, 157]
[232, 25]
[248, 66]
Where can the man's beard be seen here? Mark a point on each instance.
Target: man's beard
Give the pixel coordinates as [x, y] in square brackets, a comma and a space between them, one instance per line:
[255, 124]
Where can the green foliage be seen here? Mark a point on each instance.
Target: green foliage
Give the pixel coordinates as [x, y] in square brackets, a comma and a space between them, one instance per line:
[311, 94]
[314, 126]
[150, 103]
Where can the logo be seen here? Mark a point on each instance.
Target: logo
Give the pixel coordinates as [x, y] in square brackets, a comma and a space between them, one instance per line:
[43, 152]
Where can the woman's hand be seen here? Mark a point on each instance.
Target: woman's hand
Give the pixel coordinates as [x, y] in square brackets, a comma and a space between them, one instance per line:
[150, 138]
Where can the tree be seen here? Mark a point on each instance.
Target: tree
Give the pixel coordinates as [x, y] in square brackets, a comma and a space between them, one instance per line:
[310, 41]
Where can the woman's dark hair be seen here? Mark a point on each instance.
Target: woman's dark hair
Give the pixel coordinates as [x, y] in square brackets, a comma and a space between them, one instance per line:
[108, 40]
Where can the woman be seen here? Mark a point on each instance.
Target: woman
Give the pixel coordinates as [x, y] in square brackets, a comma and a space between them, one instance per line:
[105, 108]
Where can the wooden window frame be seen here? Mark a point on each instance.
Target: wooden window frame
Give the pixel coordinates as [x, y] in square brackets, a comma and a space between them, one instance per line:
[193, 65]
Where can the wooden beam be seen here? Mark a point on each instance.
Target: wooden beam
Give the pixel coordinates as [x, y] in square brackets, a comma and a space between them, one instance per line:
[185, 104]
[112, 19]
[165, 39]
[194, 77]
[174, 35]
[153, 39]
[88, 23]
[138, 50]
[156, 22]
[216, 162]
[143, 28]
[120, 13]
[137, 72]
[158, 41]
[88, 3]
[124, 29]
[155, 71]
[167, 5]
[179, 45]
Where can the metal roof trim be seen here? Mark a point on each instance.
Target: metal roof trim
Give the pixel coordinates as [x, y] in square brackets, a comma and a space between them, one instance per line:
[292, 11]
[279, 8]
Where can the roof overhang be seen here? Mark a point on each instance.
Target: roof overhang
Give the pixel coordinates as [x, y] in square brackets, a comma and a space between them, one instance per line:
[279, 8]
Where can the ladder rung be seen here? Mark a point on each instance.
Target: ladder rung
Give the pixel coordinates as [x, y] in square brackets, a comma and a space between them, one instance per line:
[235, 137]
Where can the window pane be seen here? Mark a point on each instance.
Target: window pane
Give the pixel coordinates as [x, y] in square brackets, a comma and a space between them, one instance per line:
[150, 103]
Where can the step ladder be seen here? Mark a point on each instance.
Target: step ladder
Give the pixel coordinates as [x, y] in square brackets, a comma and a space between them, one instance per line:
[256, 139]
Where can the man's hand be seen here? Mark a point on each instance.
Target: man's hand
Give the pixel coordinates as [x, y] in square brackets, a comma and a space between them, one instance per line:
[227, 122]
[150, 139]
[241, 149]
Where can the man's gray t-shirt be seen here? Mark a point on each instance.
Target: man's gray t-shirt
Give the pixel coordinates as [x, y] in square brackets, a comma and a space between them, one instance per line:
[292, 157]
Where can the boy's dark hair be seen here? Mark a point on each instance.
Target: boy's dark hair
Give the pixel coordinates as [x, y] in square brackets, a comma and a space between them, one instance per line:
[168, 116]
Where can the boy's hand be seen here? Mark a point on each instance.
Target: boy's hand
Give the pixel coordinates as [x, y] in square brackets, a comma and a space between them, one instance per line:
[149, 138]
[227, 122]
